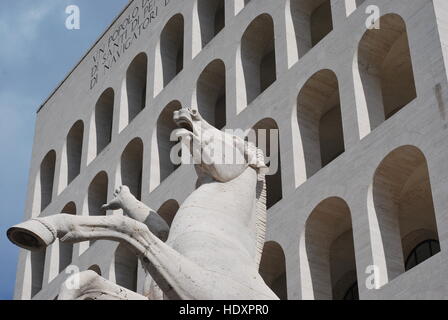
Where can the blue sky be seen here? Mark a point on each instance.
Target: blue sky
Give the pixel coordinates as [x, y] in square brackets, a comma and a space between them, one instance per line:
[36, 53]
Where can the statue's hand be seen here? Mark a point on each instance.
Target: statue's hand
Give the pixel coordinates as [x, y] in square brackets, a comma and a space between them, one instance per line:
[122, 196]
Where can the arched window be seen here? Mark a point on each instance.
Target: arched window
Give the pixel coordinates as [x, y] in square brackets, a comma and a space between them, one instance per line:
[97, 195]
[352, 293]
[170, 54]
[211, 19]
[126, 266]
[136, 85]
[74, 150]
[320, 121]
[37, 271]
[66, 249]
[70, 208]
[258, 56]
[132, 166]
[95, 268]
[403, 208]
[47, 171]
[385, 69]
[211, 94]
[327, 255]
[161, 146]
[312, 21]
[273, 269]
[168, 211]
[267, 138]
[422, 252]
[104, 111]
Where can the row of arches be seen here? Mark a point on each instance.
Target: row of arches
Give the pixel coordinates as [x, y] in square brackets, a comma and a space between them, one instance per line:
[210, 99]
[318, 115]
[400, 204]
[404, 234]
[310, 21]
[382, 55]
[387, 85]
[383, 66]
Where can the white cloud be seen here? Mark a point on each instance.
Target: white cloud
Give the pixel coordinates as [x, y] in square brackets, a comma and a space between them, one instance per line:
[31, 19]
[16, 116]
[20, 25]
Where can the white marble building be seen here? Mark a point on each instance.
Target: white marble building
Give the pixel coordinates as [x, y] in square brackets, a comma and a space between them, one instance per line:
[363, 134]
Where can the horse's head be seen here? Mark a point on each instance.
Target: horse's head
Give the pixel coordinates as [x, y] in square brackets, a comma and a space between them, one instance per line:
[221, 155]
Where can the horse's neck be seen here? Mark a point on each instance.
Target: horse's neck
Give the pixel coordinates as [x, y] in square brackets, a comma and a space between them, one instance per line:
[235, 199]
[245, 199]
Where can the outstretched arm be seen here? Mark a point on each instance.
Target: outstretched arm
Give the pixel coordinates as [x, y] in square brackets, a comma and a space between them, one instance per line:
[177, 276]
[137, 210]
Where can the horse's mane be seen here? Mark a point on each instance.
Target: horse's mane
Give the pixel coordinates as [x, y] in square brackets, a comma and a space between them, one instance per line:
[261, 214]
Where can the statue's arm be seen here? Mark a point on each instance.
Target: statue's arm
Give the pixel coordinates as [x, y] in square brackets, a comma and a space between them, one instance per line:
[137, 210]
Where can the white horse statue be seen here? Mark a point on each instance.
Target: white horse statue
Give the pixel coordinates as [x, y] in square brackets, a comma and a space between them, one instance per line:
[213, 248]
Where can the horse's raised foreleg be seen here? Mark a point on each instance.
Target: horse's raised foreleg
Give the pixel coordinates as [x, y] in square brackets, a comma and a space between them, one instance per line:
[88, 285]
